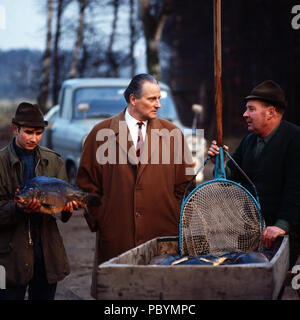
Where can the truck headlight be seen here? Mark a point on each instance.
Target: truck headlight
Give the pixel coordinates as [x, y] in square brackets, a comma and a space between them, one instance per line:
[194, 143]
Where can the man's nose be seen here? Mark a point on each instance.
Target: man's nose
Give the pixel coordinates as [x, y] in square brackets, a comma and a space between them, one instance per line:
[157, 104]
[34, 137]
[246, 114]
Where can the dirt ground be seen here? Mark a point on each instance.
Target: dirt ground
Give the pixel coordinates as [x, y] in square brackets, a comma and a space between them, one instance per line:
[79, 242]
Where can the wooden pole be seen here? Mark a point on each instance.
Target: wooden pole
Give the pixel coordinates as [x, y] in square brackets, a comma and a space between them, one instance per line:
[218, 70]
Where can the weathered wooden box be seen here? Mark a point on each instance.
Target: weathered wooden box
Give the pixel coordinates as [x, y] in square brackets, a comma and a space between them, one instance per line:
[130, 277]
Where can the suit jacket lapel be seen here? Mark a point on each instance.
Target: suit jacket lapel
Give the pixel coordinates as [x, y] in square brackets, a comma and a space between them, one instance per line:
[151, 146]
[250, 152]
[276, 139]
[123, 139]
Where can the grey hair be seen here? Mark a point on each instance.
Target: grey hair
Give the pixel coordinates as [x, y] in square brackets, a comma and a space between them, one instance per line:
[136, 85]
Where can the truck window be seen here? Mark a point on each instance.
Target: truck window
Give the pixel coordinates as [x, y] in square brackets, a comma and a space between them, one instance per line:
[66, 111]
[106, 102]
[101, 101]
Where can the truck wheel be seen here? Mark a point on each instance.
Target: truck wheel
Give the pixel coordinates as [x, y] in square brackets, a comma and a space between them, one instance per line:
[71, 172]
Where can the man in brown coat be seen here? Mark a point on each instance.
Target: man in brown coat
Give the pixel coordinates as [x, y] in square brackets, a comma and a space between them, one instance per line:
[31, 249]
[139, 172]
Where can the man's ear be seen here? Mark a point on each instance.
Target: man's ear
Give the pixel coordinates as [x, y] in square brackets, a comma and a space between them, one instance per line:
[271, 112]
[15, 128]
[132, 99]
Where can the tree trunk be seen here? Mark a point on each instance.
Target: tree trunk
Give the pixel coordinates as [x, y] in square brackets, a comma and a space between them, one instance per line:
[79, 40]
[110, 54]
[44, 88]
[153, 17]
[55, 86]
[132, 38]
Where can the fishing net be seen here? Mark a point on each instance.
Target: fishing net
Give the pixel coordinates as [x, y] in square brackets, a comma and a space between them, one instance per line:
[220, 215]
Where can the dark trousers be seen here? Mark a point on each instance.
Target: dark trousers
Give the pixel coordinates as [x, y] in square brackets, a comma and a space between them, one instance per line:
[294, 237]
[38, 287]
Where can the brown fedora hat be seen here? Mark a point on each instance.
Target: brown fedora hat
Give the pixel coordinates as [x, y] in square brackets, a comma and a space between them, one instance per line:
[29, 115]
[269, 91]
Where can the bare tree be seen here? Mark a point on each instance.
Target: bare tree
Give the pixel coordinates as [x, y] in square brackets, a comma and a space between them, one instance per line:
[114, 67]
[61, 5]
[44, 88]
[133, 36]
[153, 15]
[74, 68]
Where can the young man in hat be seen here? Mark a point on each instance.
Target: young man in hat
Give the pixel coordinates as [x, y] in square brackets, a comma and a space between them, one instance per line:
[270, 156]
[31, 248]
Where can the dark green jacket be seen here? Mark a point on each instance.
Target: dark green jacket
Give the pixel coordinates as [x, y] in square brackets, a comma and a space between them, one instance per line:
[276, 173]
[16, 254]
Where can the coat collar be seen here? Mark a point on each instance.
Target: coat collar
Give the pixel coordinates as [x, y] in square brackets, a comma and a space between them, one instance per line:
[154, 127]
[14, 159]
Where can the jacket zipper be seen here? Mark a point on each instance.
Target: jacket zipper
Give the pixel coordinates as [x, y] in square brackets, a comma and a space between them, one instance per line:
[29, 233]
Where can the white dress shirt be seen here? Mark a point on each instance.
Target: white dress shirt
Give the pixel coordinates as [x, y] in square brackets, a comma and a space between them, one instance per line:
[133, 127]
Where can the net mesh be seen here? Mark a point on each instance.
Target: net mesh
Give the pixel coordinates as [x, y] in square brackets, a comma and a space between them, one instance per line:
[218, 217]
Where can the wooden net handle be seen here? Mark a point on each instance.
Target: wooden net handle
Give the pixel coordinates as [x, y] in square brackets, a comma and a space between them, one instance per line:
[218, 70]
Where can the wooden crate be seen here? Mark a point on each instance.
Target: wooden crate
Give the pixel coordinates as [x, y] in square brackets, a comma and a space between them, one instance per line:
[130, 277]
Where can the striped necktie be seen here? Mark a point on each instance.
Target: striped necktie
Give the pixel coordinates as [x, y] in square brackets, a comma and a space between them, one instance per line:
[140, 141]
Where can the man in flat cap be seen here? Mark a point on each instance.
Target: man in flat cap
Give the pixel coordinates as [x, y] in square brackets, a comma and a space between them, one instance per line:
[31, 248]
[270, 156]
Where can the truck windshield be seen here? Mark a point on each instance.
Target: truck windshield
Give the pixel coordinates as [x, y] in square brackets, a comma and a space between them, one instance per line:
[107, 102]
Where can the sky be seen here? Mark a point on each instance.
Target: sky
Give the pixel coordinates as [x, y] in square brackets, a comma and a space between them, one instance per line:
[22, 24]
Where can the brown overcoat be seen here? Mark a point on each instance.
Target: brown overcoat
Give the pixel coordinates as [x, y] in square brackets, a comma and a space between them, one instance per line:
[139, 202]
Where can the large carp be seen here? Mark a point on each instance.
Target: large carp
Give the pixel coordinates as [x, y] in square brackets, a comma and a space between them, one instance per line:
[54, 193]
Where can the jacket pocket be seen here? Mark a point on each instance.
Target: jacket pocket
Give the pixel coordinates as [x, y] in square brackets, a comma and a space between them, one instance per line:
[102, 212]
[5, 241]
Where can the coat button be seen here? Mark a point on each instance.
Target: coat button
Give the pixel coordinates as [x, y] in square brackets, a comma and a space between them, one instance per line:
[137, 214]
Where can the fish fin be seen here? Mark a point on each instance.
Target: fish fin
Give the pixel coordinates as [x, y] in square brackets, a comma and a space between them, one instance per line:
[183, 259]
[206, 260]
[219, 261]
[49, 208]
[48, 205]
